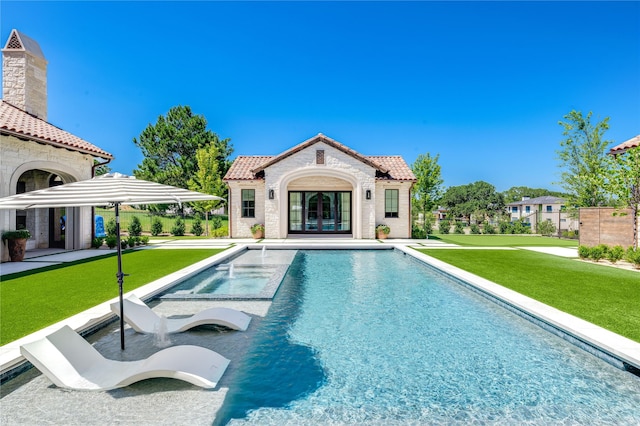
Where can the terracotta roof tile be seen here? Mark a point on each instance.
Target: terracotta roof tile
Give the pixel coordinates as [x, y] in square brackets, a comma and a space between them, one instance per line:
[16, 122]
[631, 143]
[242, 166]
[398, 168]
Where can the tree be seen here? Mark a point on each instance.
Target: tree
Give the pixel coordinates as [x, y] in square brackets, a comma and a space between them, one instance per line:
[101, 168]
[479, 199]
[516, 193]
[170, 146]
[428, 187]
[207, 179]
[584, 160]
[624, 181]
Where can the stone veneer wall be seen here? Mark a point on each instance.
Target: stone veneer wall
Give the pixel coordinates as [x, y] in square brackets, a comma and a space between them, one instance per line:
[24, 82]
[338, 167]
[20, 157]
[240, 227]
[400, 226]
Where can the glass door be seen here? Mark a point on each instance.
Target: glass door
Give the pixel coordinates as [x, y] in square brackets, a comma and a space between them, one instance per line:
[319, 212]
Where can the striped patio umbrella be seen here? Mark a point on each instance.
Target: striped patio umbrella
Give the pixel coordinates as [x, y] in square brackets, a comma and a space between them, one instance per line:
[110, 189]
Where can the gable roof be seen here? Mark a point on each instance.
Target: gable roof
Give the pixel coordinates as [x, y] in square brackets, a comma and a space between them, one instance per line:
[387, 167]
[545, 199]
[320, 138]
[22, 125]
[631, 143]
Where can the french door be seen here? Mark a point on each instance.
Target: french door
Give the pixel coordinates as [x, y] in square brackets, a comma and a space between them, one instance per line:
[320, 212]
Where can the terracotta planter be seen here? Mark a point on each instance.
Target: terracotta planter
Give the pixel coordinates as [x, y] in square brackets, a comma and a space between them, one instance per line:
[258, 234]
[382, 236]
[17, 248]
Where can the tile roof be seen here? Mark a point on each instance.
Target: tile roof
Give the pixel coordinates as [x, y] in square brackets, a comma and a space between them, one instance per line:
[545, 199]
[631, 143]
[391, 167]
[18, 123]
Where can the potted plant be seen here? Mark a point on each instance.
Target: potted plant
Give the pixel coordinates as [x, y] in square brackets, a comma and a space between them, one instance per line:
[382, 231]
[16, 243]
[258, 231]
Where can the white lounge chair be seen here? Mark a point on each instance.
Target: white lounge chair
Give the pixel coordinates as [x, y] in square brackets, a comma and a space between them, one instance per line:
[144, 320]
[69, 361]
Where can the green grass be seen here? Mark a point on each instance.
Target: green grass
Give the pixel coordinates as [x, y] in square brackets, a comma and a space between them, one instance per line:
[167, 221]
[33, 300]
[603, 295]
[503, 240]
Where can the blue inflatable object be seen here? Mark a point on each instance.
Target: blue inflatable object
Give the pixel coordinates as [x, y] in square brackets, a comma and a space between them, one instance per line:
[99, 220]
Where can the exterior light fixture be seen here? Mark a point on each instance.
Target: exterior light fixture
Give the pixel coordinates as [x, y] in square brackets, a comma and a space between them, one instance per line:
[367, 194]
[271, 194]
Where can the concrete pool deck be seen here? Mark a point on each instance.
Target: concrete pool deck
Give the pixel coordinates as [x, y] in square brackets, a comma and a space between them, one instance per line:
[31, 398]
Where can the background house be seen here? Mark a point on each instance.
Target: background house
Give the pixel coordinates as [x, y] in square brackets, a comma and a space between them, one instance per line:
[36, 154]
[320, 187]
[545, 208]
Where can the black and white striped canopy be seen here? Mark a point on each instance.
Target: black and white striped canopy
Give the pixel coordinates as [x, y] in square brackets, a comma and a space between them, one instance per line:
[112, 188]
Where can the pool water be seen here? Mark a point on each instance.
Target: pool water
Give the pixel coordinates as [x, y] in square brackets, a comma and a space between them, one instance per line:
[227, 279]
[375, 337]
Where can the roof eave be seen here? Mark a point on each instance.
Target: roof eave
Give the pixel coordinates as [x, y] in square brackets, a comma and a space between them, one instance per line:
[56, 144]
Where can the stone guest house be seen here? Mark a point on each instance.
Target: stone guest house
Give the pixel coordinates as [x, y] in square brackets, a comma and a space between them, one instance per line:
[320, 187]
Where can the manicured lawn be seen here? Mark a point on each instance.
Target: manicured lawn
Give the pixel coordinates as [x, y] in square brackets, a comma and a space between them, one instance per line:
[32, 300]
[503, 240]
[603, 295]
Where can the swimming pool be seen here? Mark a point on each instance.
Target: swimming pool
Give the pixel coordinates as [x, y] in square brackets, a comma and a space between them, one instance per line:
[375, 337]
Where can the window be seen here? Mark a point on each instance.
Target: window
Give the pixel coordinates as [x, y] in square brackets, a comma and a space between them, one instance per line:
[527, 209]
[514, 209]
[248, 203]
[390, 203]
[549, 209]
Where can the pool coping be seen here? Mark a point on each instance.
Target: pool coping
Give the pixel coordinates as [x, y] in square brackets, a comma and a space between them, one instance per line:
[620, 348]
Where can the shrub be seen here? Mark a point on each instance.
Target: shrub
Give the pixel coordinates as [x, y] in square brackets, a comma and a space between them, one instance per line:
[156, 226]
[257, 228]
[615, 253]
[196, 227]
[97, 242]
[16, 235]
[144, 239]
[596, 253]
[131, 241]
[216, 222]
[488, 228]
[111, 241]
[111, 227]
[633, 256]
[444, 226]
[584, 252]
[135, 227]
[505, 227]
[123, 244]
[458, 228]
[546, 228]
[418, 233]
[475, 229]
[178, 227]
[519, 227]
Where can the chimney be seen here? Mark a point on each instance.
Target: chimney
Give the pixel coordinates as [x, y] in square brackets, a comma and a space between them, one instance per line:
[24, 75]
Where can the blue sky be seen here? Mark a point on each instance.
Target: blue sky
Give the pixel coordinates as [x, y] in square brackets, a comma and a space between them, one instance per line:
[482, 84]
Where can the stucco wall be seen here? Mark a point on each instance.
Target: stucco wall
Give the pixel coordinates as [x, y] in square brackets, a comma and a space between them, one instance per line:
[18, 157]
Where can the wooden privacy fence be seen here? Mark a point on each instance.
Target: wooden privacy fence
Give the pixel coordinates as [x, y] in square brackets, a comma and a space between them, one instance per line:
[606, 225]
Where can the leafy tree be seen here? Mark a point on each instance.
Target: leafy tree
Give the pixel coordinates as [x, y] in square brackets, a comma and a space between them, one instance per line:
[445, 226]
[546, 228]
[516, 193]
[624, 183]
[170, 146]
[584, 160]
[208, 179]
[479, 199]
[111, 227]
[428, 187]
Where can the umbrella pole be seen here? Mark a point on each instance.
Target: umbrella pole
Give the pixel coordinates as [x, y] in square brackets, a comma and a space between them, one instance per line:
[120, 276]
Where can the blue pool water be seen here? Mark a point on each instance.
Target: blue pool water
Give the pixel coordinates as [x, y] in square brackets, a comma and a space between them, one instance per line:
[375, 337]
